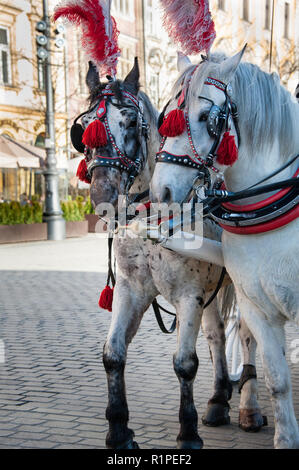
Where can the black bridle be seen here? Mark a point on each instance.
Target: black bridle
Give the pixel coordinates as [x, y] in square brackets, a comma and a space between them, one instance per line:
[121, 161]
[217, 124]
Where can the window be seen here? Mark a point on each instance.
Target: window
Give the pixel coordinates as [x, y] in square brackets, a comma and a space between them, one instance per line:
[221, 5]
[151, 21]
[123, 7]
[40, 140]
[5, 72]
[126, 60]
[267, 14]
[245, 10]
[286, 20]
[81, 64]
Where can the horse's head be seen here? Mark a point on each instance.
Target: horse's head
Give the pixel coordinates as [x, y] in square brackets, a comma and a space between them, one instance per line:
[112, 136]
[195, 124]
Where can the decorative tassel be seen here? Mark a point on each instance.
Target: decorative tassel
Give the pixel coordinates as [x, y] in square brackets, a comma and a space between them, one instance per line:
[82, 172]
[95, 135]
[227, 153]
[106, 298]
[174, 124]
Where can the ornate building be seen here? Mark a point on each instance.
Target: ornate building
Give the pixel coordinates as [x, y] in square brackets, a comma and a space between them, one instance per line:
[273, 41]
[22, 90]
[269, 27]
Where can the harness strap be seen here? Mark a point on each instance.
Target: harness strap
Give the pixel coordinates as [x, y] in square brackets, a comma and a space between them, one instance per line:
[218, 287]
[249, 372]
[163, 328]
[110, 269]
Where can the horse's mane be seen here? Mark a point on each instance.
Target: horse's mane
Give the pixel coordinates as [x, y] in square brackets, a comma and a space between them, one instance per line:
[117, 87]
[149, 108]
[267, 110]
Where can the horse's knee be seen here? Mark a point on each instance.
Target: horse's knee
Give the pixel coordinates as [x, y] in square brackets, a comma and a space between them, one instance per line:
[278, 387]
[185, 366]
[114, 361]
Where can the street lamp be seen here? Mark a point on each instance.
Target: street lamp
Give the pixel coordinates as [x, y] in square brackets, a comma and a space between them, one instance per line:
[52, 210]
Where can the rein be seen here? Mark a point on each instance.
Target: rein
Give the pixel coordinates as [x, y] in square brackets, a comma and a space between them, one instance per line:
[269, 214]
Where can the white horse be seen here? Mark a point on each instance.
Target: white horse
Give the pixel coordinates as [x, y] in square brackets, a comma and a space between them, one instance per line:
[264, 266]
[145, 271]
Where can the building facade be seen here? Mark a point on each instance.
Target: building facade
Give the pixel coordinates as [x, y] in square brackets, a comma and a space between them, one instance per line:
[22, 90]
[272, 37]
[269, 27]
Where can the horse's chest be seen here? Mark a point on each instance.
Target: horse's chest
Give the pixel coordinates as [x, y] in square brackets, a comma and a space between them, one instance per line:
[172, 272]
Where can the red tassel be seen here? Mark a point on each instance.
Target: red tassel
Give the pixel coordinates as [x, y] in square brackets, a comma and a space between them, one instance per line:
[95, 135]
[174, 124]
[106, 298]
[227, 153]
[82, 173]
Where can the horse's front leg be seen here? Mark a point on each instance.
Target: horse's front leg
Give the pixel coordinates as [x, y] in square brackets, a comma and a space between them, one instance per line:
[250, 416]
[185, 363]
[129, 305]
[217, 413]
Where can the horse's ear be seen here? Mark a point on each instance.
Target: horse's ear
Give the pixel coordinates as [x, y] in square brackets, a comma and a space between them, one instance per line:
[132, 79]
[92, 77]
[229, 66]
[183, 61]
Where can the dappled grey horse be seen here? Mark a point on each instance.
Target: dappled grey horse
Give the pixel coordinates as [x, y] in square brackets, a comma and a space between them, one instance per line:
[123, 166]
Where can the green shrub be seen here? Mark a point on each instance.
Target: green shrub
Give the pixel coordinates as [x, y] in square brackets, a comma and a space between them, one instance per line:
[72, 211]
[88, 207]
[12, 213]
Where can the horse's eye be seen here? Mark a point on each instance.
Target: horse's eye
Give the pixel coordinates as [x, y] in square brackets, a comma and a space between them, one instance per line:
[203, 117]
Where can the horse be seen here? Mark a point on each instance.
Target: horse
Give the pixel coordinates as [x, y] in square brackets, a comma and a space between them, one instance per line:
[261, 144]
[146, 270]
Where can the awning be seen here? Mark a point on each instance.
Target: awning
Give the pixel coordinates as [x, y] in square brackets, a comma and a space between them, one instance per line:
[16, 155]
[7, 161]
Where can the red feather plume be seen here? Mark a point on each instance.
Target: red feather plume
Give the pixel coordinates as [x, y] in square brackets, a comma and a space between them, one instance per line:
[189, 24]
[99, 31]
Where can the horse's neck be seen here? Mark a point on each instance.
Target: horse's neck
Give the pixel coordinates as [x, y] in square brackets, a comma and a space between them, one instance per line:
[250, 169]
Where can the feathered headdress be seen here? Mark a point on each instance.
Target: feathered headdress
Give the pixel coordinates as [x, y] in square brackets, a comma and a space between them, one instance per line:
[189, 24]
[99, 31]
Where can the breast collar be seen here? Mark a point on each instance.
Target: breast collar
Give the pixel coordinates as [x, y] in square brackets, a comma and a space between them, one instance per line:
[269, 214]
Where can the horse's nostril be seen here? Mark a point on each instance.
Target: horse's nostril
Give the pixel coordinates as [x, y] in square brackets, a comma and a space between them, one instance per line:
[166, 195]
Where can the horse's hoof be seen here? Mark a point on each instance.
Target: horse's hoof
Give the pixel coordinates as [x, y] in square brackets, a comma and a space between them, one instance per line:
[194, 444]
[252, 420]
[130, 444]
[216, 415]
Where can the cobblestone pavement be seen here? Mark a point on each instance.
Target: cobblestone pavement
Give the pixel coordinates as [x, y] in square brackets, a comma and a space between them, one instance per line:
[52, 384]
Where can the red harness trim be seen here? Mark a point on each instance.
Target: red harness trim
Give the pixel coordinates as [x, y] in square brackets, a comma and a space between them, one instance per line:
[266, 227]
[260, 204]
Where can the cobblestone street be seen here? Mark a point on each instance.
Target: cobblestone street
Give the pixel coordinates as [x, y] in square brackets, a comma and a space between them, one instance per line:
[53, 390]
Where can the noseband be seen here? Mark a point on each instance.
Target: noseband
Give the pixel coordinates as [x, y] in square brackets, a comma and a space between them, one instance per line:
[217, 124]
[121, 162]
